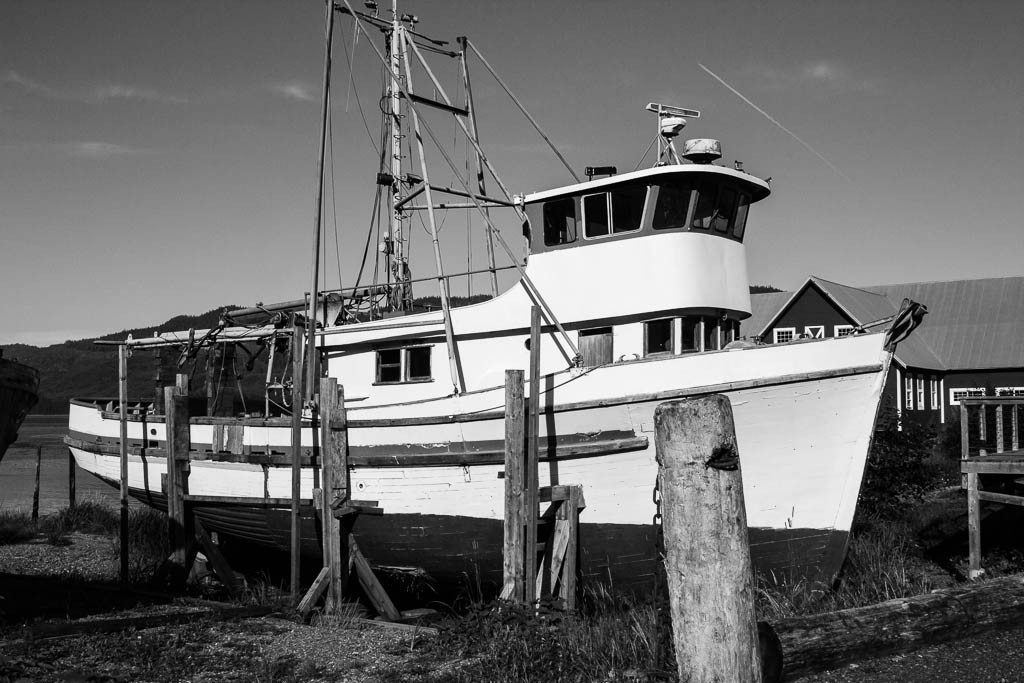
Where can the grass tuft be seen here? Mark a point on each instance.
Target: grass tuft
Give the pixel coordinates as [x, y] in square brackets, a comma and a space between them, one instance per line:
[15, 527]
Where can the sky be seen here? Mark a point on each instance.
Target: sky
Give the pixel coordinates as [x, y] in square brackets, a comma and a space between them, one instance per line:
[159, 158]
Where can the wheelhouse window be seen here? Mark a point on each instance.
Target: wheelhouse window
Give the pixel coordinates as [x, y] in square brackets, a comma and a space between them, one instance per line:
[673, 205]
[742, 209]
[559, 218]
[596, 346]
[712, 334]
[690, 336]
[617, 211]
[411, 364]
[658, 337]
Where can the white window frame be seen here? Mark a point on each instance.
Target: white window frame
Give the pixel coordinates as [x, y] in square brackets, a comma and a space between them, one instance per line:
[403, 365]
[1009, 391]
[956, 393]
[920, 393]
[815, 331]
[934, 393]
[908, 392]
[775, 334]
[842, 330]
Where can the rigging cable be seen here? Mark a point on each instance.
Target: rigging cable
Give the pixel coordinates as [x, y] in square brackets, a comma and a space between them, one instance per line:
[355, 90]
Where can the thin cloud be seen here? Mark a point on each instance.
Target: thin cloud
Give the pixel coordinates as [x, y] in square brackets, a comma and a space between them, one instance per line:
[102, 150]
[96, 95]
[822, 73]
[294, 91]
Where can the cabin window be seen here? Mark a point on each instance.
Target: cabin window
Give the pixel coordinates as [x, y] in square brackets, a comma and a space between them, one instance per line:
[628, 207]
[704, 209]
[417, 364]
[724, 210]
[389, 366]
[596, 346]
[781, 335]
[673, 205]
[711, 334]
[595, 214]
[559, 221]
[690, 336]
[403, 365]
[742, 208]
[658, 337]
[620, 210]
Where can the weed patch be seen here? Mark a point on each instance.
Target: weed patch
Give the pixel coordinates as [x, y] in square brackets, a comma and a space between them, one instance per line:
[16, 527]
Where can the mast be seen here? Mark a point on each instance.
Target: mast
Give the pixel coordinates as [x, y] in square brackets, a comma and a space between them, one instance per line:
[398, 267]
[311, 364]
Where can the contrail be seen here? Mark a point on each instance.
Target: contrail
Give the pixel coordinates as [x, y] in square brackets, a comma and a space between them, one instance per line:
[768, 116]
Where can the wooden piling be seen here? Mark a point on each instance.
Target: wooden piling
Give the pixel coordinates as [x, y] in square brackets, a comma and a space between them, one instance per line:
[514, 552]
[178, 444]
[336, 491]
[35, 491]
[297, 339]
[974, 527]
[707, 555]
[122, 393]
[532, 438]
[71, 479]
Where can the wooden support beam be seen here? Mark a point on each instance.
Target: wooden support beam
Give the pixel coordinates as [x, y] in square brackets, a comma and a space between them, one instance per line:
[297, 394]
[514, 552]
[974, 526]
[221, 567]
[532, 439]
[176, 403]
[571, 510]
[122, 392]
[35, 489]
[706, 541]
[318, 587]
[371, 586]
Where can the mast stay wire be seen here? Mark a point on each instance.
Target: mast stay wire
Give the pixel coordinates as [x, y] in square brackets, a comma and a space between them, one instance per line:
[529, 286]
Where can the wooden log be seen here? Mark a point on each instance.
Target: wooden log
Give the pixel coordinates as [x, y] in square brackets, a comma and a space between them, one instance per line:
[513, 552]
[296, 539]
[532, 476]
[707, 552]
[35, 489]
[316, 589]
[75, 628]
[122, 390]
[825, 641]
[570, 566]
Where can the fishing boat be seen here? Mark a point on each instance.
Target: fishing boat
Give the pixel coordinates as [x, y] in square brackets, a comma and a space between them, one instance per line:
[19, 391]
[637, 282]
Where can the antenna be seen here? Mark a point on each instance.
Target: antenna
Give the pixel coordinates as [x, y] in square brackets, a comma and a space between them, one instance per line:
[671, 120]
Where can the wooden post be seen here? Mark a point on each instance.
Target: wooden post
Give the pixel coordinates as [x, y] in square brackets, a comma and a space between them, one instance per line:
[334, 457]
[974, 527]
[178, 444]
[514, 554]
[999, 428]
[158, 378]
[122, 393]
[296, 541]
[707, 553]
[965, 440]
[35, 491]
[71, 479]
[532, 438]
[570, 512]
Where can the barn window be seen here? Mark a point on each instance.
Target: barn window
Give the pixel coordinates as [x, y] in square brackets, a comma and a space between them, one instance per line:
[781, 335]
[956, 394]
[920, 393]
[934, 393]
[814, 331]
[843, 330]
[658, 337]
[908, 392]
[596, 346]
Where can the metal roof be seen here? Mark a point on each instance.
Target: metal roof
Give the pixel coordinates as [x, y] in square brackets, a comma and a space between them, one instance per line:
[971, 324]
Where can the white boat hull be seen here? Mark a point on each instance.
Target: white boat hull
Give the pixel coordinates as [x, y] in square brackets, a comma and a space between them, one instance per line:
[804, 416]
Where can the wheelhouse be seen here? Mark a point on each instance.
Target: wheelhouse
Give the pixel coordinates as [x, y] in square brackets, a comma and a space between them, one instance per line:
[698, 198]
